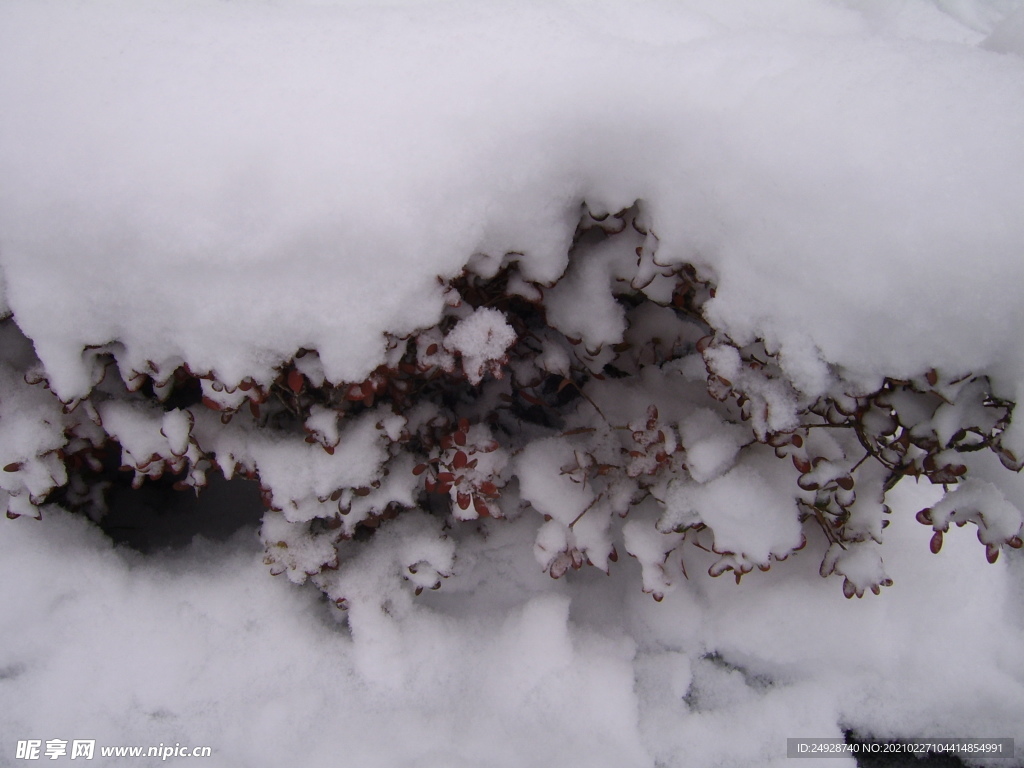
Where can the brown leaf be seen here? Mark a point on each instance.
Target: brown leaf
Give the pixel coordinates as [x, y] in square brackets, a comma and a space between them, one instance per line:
[530, 398]
[808, 484]
[481, 507]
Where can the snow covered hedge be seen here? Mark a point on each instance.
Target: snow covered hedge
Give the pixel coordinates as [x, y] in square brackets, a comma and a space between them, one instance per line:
[654, 289]
[603, 396]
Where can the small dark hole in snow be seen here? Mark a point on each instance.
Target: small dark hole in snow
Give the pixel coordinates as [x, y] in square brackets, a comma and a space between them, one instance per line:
[156, 516]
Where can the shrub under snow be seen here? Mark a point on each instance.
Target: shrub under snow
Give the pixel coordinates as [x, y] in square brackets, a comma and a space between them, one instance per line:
[604, 396]
[695, 284]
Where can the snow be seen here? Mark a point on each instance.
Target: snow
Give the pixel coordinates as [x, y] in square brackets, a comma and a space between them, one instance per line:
[270, 196]
[552, 491]
[711, 446]
[752, 147]
[1008, 35]
[748, 515]
[481, 339]
[503, 666]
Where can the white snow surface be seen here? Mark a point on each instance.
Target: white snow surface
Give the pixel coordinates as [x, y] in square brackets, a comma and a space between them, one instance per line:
[503, 666]
[224, 184]
[235, 181]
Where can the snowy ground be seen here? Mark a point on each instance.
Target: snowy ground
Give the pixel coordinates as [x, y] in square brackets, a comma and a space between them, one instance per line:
[504, 666]
[221, 184]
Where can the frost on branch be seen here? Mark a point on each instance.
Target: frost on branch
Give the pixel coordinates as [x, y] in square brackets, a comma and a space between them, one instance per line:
[603, 405]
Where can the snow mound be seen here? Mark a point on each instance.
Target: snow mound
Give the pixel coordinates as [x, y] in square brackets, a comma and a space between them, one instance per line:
[240, 182]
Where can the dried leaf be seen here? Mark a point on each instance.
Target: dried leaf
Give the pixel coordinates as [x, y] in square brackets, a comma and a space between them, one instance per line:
[530, 398]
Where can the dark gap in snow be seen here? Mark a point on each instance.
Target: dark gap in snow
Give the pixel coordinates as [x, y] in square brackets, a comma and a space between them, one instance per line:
[157, 516]
[12, 671]
[186, 392]
[751, 679]
[163, 512]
